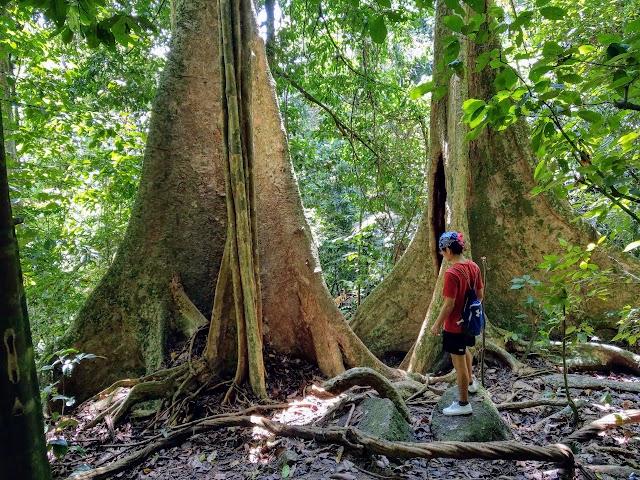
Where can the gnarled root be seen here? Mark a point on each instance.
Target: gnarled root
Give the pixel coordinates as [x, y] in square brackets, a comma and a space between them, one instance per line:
[600, 356]
[362, 442]
[118, 399]
[371, 378]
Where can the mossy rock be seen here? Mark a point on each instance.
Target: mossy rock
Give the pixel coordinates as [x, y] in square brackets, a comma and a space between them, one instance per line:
[484, 425]
[382, 419]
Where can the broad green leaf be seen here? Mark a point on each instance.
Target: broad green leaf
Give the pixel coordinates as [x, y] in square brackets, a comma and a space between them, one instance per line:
[384, 3]
[585, 49]
[455, 6]
[632, 28]
[553, 13]
[452, 51]
[506, 79]
[606, 38]
[422, 89]
[454, 22]
[552, 48]
[471, 105]
[590, 116]
[378, 29]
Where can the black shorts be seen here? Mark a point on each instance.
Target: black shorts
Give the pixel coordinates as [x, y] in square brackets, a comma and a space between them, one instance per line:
[457, 343]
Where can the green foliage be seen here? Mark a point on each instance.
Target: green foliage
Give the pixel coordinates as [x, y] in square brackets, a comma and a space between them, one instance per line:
[573, 71]
[75, 122]
[574, 283]
[629, 326]
[65, 361]
[357, 140]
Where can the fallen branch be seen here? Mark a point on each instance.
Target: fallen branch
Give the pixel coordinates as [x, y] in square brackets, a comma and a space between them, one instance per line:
[539, 402]
[594, 428]
[368, 377]
[600, 356]
[578, 381]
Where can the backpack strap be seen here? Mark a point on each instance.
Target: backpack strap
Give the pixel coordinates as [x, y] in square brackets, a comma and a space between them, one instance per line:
[465, 277]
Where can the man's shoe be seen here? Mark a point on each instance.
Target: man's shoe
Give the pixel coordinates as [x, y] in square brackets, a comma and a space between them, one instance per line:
[473, 388]
[457, 409]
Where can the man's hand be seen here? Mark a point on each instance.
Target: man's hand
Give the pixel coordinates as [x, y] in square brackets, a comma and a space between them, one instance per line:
[435, 329]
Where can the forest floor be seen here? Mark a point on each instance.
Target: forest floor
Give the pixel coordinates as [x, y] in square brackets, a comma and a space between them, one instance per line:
[245, 453]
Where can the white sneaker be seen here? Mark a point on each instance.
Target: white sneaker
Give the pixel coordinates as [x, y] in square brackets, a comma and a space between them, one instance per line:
[473, 388]
[457, 409]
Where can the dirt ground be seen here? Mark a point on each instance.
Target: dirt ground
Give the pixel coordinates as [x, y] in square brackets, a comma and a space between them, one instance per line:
[235, 453]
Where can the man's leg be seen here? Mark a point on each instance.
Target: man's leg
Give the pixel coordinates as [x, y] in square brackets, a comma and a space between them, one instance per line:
[460, 364]
[469, 359]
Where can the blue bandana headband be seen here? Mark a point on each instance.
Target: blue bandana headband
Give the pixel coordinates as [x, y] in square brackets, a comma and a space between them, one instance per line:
[449, 238]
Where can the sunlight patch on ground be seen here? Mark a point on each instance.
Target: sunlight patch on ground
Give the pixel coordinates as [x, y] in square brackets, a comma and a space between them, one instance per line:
[304, 411]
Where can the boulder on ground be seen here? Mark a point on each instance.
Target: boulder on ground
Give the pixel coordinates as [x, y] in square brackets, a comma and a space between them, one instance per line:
[484, 425]
[382, 419]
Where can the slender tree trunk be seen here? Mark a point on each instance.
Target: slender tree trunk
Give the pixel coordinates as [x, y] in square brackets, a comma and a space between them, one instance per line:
[22, 445]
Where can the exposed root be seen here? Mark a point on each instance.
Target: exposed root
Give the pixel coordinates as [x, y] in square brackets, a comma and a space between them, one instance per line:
[554, 402]
[368, 377]
[175, 383]
[578, 381]
[603, 357]
[364, 443]
[565, 413]
[512, 362]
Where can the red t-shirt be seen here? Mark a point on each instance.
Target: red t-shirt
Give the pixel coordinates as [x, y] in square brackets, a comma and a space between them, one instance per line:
[456, 286]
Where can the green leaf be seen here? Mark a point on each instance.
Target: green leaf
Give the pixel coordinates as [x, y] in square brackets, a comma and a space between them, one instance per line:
[422, 89]
[454, 22]
[506, 79]
[606, 38]
[552, 48]
[67, 35]
[471, 105]
[553, 13]
[384, 3]
[378, 29]
[286, 470]
[585, 49]
[455, 6]
[452, 51]
[590, 116]
[632, 28]
[632, 246]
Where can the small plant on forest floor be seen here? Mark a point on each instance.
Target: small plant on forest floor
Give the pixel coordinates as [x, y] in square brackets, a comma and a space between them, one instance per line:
[559, 305]
[58, 423]
[629, 326]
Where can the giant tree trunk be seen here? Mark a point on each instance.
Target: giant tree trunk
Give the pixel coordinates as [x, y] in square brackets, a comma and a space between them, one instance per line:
[482, 189]
[22, 446]
[179, 225]
[299, 314]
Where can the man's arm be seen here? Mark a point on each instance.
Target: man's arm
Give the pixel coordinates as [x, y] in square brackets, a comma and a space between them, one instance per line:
[480, 294]
[446, 309]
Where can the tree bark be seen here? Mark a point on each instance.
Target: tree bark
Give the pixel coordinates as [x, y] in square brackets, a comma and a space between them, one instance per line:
[481, 188]
[22, 445]
[178, 223]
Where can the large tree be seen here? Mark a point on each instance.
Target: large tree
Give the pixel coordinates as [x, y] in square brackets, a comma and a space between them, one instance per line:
[179, 225]
[480, 187]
